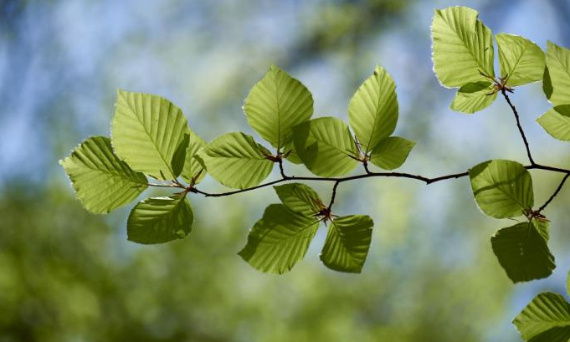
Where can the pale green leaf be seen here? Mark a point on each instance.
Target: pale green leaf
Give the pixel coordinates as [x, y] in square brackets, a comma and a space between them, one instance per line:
[390, 153]
[547, 84]
[373, 110]
[521, 61]
[236, 160]
[473, 97]
[160, 219]
[523, 251]
[101, 180]
[276, 104]
[556, 122]
[558, 63]
[462, 47]
[279, 240]
[147, 131]
[545, 319]
[347, 243]
[291, 154]
[299, 198]
[502, 188]
[326, 146]
[179, 157]
[193, 169]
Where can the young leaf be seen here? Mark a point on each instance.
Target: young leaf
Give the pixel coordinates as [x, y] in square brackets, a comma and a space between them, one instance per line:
[545, 319]
[147, 131]
[179, 157]
[390, 153]
[326, 146]
[523, 251]
[160, 219]
[101, 180]
[373, 110]
[558, 63]
[347, 243]
[279, 240]
[502, 188]
[193, 169]
[521, 60]
[236, 160]
[556, 122]
[276, 104]
[462, 47]
[473, 97]
[291, 154]
[299, 198]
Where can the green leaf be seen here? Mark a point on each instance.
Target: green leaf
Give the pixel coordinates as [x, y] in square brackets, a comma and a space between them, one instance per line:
[502, 188]
[556, 122]
[326, 146]
[523, 252]
[521, 60]
[391, 152]
[558, 63]
[276, 104]
[179, 157]
[373, 110]
[473, 97]
[347, 243]
[299, 198]
[462, 47]
[236, 160]
[147, 131]
[545, 319]
[193, 169]
[547, 84]
[101, 180]
[160, 219]
[279, 240]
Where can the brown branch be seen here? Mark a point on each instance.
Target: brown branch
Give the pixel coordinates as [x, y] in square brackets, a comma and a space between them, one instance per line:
[542, 207]
[521, 131]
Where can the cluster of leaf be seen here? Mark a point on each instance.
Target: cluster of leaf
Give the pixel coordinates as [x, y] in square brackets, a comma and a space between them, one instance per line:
[151, 139]
[463, 56]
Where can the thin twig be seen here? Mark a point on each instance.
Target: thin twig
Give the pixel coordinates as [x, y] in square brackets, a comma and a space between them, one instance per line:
[542, 207]
[521, 131]
[333, 195]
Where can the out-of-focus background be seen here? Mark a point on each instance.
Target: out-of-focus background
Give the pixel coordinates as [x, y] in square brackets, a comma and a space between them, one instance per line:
[67, 275]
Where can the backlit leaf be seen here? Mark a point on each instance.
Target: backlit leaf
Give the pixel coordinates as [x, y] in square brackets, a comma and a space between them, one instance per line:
[279, 240]
[473, 97]
[556, 122]
[236, 160]
[462, 47]
[299, 198]
[192, 166]
[101, 180]
[558, 63]
[326, 146]
[160, 219]
[347, 243]
[521, 60]
[147, 131]
[502, 188]
[545, 319]
[276, 104]
[390, 153]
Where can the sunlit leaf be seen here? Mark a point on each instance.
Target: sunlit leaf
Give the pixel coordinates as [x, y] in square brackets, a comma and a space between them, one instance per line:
[147, 131]
[390, 153]
[160, 219]
[193, 169]
[347, 243]
[502, 188]
[462, 47]
[558, 63]
[545, 319]
[373, 110]
[556, 122]
[179, 157]
[279, 240]
[326, 146]
[299, 198]
[521, 61]
[473, 97]
[236, 160]
[276, 104]
[523, 251]
[101, 180]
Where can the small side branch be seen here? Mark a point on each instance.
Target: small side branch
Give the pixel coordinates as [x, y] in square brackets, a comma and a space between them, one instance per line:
[333, 194]
[560, 186]
[521, 131]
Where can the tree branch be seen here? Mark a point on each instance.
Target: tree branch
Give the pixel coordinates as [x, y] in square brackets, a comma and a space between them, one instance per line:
[542, 207]
[521, 131]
